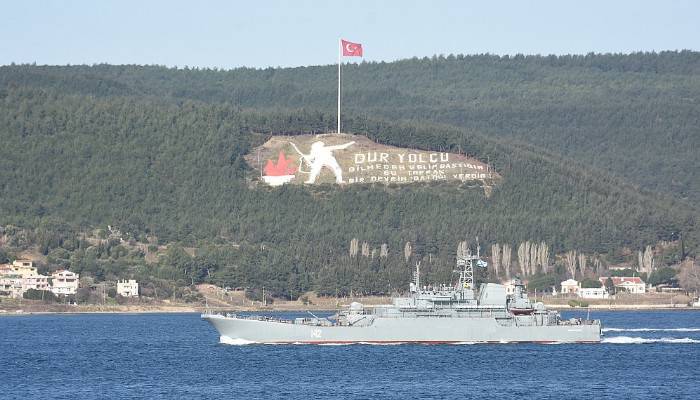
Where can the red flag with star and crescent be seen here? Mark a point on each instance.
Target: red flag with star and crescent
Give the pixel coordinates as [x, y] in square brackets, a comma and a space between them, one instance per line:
[351, 49]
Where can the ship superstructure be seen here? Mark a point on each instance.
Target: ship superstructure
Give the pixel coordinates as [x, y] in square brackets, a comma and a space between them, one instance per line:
[444, 314]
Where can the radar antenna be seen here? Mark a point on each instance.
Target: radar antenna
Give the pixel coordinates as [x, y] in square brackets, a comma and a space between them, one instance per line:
[465, 267]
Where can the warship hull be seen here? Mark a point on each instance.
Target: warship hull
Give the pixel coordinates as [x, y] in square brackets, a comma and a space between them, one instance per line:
[402, 330]
[430, 314]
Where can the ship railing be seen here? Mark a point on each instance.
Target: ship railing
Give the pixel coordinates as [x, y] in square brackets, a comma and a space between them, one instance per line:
[217, 313]
[228, 314]
[301, 321]
[446, 313]
[313, 321]
[266, 319]
[579, 321]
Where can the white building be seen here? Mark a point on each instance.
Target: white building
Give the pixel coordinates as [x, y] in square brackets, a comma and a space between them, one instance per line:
[569, 286]
[64, 282]
[11, 286]
[6, 269]
[24, 268]
[593, 293]
[629, 284]
[20, 276]
[128, 288]
[36, 282]
[620, 267]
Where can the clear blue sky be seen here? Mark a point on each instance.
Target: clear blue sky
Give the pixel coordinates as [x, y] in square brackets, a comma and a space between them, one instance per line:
[229, 34]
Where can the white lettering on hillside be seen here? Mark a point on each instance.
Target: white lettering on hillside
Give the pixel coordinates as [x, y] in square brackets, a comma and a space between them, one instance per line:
[398, 167]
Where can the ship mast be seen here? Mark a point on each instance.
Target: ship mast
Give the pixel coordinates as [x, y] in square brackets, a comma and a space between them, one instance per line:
[415, 285]
[465, 267]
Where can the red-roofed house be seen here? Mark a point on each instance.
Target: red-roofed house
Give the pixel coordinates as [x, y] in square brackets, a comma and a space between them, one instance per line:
[630, 284]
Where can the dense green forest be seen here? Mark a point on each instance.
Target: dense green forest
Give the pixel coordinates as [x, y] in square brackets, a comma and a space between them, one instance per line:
[635, 116]
[598, 153]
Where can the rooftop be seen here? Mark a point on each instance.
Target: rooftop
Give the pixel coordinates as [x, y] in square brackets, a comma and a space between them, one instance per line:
[618, 280]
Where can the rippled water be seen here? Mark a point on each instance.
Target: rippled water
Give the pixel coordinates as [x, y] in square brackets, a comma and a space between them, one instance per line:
[643, 355]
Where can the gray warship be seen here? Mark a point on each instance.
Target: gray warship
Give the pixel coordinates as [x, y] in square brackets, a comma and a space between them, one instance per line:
[445, 314]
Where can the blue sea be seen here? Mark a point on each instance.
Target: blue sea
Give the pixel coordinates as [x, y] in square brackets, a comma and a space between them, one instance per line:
[644, 355]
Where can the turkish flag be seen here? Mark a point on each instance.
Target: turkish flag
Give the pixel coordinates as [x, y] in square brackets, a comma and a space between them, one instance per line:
[351, 49]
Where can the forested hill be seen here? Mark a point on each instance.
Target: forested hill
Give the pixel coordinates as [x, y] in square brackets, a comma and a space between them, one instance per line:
[635, 115]
[158, 151]
[178, 171]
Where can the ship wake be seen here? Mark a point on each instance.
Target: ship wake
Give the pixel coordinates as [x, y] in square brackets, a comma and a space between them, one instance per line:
[641, 340]
[651, 329]
[235, 342]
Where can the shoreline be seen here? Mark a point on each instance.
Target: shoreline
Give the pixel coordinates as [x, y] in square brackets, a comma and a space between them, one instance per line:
[235, 302]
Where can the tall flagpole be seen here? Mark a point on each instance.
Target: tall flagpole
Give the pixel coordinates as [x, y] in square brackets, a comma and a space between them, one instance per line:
[339, 56]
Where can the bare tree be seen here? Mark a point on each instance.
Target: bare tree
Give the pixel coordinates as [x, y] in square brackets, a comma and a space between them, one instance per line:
[648, 260]
[543, 257]
[524, 257]
[505, 260]
[640, 261]
[521, 258]
[462, 249]
[496, 258]
[354, 247]
[582, 264]
[596, 266]
[407, 251]
[689, 277]
[365, 249]
[570, 257]
[384, 250]
[534, 258]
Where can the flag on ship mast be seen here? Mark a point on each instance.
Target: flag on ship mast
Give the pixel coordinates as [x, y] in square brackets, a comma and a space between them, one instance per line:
[347, 49]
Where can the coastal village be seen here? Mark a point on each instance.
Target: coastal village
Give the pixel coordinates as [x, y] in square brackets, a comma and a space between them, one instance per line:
[60, 281]
[20, 279]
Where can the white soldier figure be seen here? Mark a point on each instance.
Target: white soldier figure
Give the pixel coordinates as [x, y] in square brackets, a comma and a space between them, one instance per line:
[322, 156]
